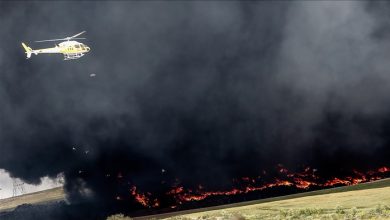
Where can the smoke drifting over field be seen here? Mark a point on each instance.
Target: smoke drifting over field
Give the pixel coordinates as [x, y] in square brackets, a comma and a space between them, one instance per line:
[192, 92]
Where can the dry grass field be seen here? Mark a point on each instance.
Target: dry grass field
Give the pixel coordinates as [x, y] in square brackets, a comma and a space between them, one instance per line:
[361, 204]
[55, 194]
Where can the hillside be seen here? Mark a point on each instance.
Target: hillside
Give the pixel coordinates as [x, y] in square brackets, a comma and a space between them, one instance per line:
[50, 195]
[363, 198]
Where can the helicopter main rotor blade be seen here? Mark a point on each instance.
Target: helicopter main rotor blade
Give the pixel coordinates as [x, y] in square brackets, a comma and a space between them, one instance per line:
[63, 39]
[66, 38]
[77, 34]
[50, 40]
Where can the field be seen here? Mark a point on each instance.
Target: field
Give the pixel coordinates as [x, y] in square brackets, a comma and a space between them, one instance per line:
[363, 204]
[363, 201]
[50, 195]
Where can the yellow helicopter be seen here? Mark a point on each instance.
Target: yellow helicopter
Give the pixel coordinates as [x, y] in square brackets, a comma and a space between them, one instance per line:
[70, 48]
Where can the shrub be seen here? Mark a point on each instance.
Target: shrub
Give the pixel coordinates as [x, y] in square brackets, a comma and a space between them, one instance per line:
[340, 210]
[118, 217]
[237, 216]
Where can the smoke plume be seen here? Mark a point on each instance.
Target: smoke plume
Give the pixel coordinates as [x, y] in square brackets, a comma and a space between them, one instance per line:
[196, 92]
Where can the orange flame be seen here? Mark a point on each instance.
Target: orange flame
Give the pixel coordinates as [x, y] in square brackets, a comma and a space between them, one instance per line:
[143, 199]
[302, 180]
[336, 181]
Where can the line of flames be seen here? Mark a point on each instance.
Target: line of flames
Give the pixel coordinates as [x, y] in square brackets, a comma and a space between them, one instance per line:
[143, 199]
[303, 180]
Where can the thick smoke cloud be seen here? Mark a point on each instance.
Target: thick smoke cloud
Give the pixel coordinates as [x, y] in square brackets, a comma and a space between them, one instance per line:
[334, 61]
[199, 89]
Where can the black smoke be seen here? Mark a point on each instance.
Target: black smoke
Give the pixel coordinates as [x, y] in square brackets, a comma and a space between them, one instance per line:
[196, 92]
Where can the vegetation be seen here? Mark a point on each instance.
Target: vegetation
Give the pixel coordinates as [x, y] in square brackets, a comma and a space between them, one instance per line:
[365, 203]
[337, 206]
[338, 213]
[119, 217]
[362, 201]
[56, 194]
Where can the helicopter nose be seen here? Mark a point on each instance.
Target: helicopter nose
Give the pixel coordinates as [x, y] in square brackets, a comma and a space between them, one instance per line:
[88, 49]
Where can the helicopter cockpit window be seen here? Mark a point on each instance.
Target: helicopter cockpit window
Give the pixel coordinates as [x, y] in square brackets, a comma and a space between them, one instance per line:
[77, 46]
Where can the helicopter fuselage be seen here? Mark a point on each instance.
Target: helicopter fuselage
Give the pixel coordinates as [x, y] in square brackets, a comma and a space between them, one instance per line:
[70, 50]
[69, 47]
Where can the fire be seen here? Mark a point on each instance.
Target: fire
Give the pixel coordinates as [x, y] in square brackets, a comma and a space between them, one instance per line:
[305, 180]
[303, 184]
[384, 169]
[143, 199]
[183, 196]
[337, 181]
[282, 169]
[176, 191]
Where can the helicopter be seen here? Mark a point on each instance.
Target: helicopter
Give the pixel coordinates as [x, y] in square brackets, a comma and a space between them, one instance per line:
[70, 48]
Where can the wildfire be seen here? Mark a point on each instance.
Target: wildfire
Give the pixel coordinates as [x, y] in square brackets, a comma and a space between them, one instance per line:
[143, 199]
[303, 184]
[181, 196]
[336, 181]
[282, 169]
[384, 169]
[305, 180]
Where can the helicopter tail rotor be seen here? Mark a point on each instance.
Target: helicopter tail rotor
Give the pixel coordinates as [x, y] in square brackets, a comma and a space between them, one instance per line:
[28, 50]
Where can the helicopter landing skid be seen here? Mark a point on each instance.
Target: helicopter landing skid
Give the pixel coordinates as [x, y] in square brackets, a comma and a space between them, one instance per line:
[73, 56]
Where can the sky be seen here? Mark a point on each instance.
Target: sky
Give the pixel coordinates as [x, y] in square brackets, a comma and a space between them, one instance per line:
[200, 89]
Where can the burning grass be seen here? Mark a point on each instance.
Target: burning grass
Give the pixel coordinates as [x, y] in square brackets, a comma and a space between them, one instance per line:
[364, 201]
[306, 180]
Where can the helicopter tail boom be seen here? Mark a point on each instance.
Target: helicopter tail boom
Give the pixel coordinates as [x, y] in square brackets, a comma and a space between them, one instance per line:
[27, 49]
